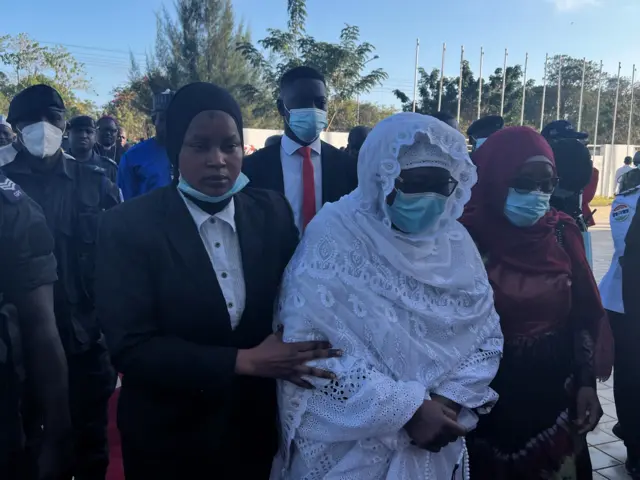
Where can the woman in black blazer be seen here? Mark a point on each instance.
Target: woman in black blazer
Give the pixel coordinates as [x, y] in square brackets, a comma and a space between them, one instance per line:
[187, 277]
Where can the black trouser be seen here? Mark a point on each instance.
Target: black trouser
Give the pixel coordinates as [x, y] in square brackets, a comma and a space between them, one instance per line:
[92, 380]
[626, 377]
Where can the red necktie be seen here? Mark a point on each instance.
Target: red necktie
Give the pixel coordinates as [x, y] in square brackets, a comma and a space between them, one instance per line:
[308, 187]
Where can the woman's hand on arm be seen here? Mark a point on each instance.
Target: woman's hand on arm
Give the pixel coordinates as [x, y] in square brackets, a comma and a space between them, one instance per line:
[274, 358]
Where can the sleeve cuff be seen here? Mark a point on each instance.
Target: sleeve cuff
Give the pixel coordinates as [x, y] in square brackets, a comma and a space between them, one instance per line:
[34, 273]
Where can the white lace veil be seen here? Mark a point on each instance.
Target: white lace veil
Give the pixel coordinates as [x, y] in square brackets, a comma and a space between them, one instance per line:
[404, 141]
[406, 308]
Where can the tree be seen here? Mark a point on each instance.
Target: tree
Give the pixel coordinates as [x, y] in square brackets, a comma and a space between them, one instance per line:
[197, 43]
[29, 63]
[134, 120]
[365, 113]
[342, 63]
[200, 46]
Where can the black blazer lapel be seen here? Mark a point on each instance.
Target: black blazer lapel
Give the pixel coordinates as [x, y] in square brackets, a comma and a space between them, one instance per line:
[264, 169]
[183, 234]
[250, 224]
[329, 174]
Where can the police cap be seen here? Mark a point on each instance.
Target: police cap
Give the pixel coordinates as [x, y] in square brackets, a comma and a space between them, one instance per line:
[33, 102]
[559, 129]
[82, 121]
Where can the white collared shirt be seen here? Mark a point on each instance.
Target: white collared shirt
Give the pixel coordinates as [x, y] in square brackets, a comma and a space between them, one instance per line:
[292, 174]
[220, 238]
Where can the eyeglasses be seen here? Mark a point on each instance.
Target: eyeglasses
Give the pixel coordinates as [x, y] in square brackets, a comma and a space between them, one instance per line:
[445, 188]
[528, 184]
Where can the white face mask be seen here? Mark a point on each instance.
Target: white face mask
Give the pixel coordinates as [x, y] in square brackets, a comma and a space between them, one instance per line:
[41, 139]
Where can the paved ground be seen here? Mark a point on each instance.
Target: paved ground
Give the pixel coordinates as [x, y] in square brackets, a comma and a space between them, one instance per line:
[607, 452]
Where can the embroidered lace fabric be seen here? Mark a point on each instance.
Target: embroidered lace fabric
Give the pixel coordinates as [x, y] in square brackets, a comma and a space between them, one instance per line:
[413, 314]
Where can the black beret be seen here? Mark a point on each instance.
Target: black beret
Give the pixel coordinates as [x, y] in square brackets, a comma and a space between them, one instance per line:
[31, 103]
[82, 121]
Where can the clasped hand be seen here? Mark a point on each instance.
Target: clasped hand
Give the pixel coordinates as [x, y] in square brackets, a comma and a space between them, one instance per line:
[434, 425]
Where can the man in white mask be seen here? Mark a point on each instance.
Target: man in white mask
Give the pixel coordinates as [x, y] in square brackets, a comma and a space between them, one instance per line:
[72, 195]
[308, 171]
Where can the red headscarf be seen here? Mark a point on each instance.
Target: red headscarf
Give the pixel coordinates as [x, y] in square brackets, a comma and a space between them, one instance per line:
[530, 249]
[533, 249]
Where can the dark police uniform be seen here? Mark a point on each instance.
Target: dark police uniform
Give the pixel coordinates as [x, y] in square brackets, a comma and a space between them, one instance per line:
[72, 197]
[108, 166]
[26, 263]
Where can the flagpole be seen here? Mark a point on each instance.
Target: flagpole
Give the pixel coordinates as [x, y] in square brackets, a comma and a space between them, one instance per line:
[544, 90]
[480, 81]
[584, 71]
[460, 82]
[524, 88]
[444, 51]
[610, 160]
[415, 75]
[595, 134]
[504, 81]
[633, 79]
[559, 87]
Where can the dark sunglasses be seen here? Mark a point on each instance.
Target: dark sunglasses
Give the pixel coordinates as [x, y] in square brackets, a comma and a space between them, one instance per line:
[528, 184]
[445, 188]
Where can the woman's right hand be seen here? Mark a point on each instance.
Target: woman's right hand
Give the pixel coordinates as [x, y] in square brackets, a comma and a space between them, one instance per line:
[274, 358]
[434, 426]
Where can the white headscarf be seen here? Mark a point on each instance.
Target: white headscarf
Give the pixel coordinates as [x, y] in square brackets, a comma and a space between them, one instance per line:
[408, 308]
[405, 141]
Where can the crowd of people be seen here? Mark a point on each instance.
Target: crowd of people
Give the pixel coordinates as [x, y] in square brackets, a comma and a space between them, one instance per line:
[399, 309]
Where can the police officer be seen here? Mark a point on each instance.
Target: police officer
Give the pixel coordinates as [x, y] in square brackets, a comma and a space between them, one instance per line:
[30, 347]
[82, 140]
[483, 128]
[574, 166]
[575, 170]
[72, 195]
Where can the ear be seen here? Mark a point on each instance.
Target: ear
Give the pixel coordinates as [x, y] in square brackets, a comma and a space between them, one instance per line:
[281, 110]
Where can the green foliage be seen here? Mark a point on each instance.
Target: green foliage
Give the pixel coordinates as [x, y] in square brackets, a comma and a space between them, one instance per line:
[134, 120]
[28, 63]
[201, 41]
[195, 44]
[366, 113]
[342, 63]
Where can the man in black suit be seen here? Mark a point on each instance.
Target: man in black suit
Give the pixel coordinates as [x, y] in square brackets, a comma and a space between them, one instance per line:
[308, 171]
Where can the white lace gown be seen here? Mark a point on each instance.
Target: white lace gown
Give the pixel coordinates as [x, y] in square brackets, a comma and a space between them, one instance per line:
[352, 428]
[414, 316]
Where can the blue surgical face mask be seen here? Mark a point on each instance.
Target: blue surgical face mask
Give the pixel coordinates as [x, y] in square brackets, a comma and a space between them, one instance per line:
[525, 209]
[307, 123]
[184, 187]
[479, 142]
[415, 212]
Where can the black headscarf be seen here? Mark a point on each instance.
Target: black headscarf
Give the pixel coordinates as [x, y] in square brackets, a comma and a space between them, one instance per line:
[188, 102]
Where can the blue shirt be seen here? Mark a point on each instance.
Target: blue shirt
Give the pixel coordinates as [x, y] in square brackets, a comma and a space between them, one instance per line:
[144, 167]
